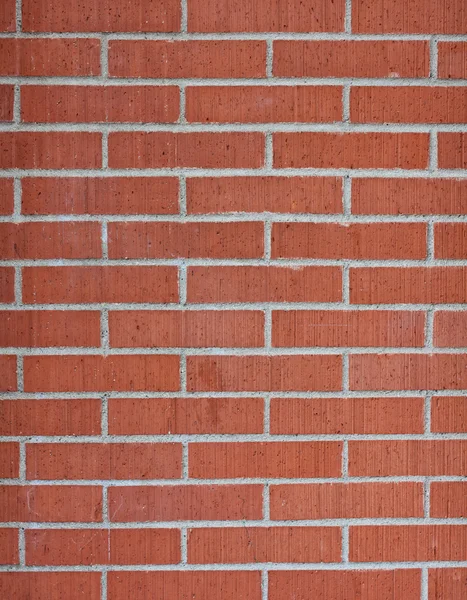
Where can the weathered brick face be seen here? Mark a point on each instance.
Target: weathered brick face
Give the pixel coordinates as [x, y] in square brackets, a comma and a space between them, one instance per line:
[233, 299]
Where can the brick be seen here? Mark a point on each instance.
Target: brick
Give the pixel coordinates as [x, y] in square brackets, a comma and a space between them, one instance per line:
[49, 57]
[259, 104]
[450, 329]
[305, 328]
[446, 583]
[407, 457]
[100, 104]
[188, 240]
[9, 546]
[449, 414]
[346, 501]
[355, 241]
[6, 102]
[451, 240]
[227, 460]
[365, 58]
[264, 544]
[50, 150]
[408, 104]
[404, 543]
[88, 373]
[102, 547]
[50, 586]
[452, 150]
[452, 60]
[448, 499]
[264, 373]
[160, 416]
[6, 196]
[99, 196]
[9, 460]
[302, 416]
[106, 15]
[8, 15]
[50, 240]
[7, 285]
[51, 503]
[374, 150]
[337, 585]
[264, 194]
[103, 461]
[265, 15]
[8, 373]
[409, 196]
[264, 284]
[418, 285]
[88, 284]
[50, 417]
[198, 329]
[183, 585]
[185, 502]
[170, 59]
[208, 150]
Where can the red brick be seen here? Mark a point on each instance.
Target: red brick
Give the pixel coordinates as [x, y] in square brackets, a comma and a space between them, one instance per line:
[209, 150]
[406, 543]
[452, 150]
[50, 240]
[451, 240]
[355, 241]
[198, 329]
[6, 196]
[50, 417]
[339, 585]
[50, 150]
[81, 285]
[102, 546]
[170, 59]
[264, 194]
[9, 547]
[9, 460]
[185, 502]
[448, 499]
[408, 371]
[105, 104]
[447, 583]
[452, 60]
[99, 196]
[407, 457]
[264, 544]
[8, 373]
[227, 460]
[259, 104]
[264, 373]
[182, 585]
[51, 503]
[87, 373]
[160, 416]
[408, 104]
[265, 15]
[419, 285]
[409, 196]
[38, 329]
[374, 150]
[346, 501]
[103, 461]
[304, 328]
[6, 102]
[449, 414]
[388, 58]
[188, 240]
[48, 57]
[450, 329]
[101, 15]
[8, 15]
[264, 284]
[50, 586]
[384, 415]
[415, 16]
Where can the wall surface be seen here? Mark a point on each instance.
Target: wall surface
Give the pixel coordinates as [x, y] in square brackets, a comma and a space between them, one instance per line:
[233, 288]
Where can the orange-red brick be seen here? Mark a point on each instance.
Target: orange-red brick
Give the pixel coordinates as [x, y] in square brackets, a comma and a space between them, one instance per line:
[9, 460]
[446, 583]
[449, 414]
[6, 196]
[451, 240]
[9, 546]
[450, 329]
[6, 102]
[452, 150]
[8, 381]
[448, 499]
[452, 60]
[50, 586]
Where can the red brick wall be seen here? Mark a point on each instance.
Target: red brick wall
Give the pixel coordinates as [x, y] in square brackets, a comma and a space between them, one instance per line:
[233, 283]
